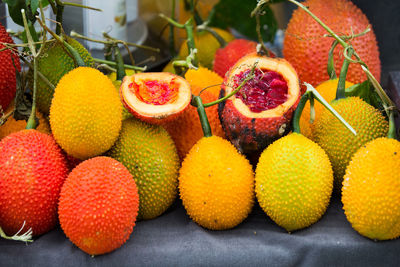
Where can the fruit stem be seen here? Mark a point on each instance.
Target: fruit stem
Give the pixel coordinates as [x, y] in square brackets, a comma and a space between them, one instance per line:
[171, 36]
[320, 99]
[248, 77]
[108, 51]
[392, 126]
[59, 16]
[204, 27]
[181, 66]
[32, 123]
[79, 61]
[120, 63]
[112, 63]
[299, 111]
[340, 92]
[205, 125]
[331, 63]
[257, 12]
[26, 237]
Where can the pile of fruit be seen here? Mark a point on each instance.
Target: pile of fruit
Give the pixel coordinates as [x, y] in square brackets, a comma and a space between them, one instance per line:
[227, 124]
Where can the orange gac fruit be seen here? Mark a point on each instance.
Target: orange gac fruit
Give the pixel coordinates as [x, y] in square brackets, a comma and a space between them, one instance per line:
[155, 97]
[98, 206]
[33, 170]
[262, 109]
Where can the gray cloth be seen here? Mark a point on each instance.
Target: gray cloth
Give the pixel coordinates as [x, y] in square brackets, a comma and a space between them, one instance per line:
[174, 240]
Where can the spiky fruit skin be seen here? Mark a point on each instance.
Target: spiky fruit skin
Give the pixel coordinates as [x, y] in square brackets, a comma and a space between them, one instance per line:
[150, 155]
[371, 190]
[125, 113]
[186, 130]
[206, 45]
[54, 64]
[339, 143]
[33, 170]
[294, 182]
[98, 205]
[251, 132]
[307, 49]
[327, 90]
[8, 78]
[86, 113]
[227, 56]
[12, 125]
[216, 184]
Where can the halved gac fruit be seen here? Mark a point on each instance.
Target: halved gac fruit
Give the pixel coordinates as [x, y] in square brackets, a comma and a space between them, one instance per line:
[261, 111]
[155, 97]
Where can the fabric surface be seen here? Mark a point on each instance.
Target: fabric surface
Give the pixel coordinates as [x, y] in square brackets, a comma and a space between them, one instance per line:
[174, 240]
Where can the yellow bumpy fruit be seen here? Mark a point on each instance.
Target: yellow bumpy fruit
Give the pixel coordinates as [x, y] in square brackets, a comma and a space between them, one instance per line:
[86, 113]
[371, 190]
[216, 184]
[294, 181]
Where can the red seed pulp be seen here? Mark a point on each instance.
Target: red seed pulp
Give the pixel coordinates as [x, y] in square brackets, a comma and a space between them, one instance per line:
[267, 90]
[155, 92]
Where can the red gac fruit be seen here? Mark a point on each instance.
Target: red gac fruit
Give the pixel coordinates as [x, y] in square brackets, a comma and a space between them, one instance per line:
[33, 169]
[155, 97]
[262, 109]
[99, 203]
[227, 56]
[7, 69]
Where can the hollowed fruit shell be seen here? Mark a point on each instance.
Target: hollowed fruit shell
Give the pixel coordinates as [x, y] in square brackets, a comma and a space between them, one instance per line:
[155, 97]
[251, 131]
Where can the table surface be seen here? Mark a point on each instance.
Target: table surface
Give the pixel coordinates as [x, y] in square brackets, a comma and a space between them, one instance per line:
[174, 240]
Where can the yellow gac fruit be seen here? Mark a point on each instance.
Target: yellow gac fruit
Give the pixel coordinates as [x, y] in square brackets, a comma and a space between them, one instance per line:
[85, 113]
[294, 182]
[216, 184]
[339, 142]
[371, 190]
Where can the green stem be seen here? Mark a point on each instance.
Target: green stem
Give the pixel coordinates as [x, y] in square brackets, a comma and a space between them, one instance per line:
[120, 64]
[190, 40]
[108, 52]
[248, 77]
[392, 126]
[320, 99]
[59, 17]
[205, 125]
[221, 41]
[172, 22]
[299, 111]
[331, 63]
[312, 109]
[81, 6]
[26, 237]
[171, 36]
[32, 122]
[112, 63]
[341, 89]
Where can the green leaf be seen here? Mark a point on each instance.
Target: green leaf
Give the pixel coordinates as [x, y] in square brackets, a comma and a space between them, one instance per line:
[236, 14]
[365, 91]
[30, 6]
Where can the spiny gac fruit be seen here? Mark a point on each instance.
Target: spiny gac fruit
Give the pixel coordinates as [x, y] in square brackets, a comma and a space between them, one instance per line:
[327, 90]
[227, 56]
[150, 155]
[54, 63]
[338, 142]
[98, 205]
[33, 170]
[86, 113]
[371, 189]
[8, 82]
[262, 109]
[12, 125]
[186, 129]
[294, 181]
[306, 47]
[216, 184]
[155, 97]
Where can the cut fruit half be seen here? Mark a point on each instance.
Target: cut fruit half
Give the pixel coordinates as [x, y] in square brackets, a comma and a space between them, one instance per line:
[261, 111]
[155, 97]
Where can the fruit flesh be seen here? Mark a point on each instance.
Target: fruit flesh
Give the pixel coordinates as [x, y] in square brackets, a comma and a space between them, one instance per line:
[155, 92]
[267, 90]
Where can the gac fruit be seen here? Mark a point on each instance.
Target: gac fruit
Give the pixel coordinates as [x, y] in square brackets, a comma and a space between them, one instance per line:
[98, 206]
[261, 111]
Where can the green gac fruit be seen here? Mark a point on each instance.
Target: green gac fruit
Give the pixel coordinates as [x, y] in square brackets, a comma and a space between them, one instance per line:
[150, 155]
